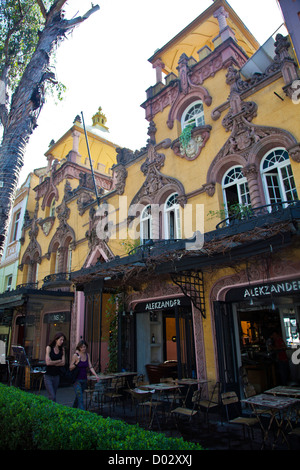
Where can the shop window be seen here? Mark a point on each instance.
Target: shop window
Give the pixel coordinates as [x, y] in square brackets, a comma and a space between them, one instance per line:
[146, 224]
[290, 328]
[235, 191]
[172, 218]
[193, 115]
[277, 176]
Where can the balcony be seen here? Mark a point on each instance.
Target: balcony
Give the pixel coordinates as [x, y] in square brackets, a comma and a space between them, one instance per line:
[57, 281]
[249, 217]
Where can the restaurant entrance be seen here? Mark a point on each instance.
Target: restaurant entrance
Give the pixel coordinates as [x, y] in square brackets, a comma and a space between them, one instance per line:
[245, 326]
[165, 336]
[266, 367]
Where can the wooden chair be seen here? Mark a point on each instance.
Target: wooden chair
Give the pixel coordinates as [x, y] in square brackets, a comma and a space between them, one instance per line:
[230, 401]
[212, 402]
[186, 412]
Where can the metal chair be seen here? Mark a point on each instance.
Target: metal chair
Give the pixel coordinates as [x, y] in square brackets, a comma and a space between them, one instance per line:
[115, 394]
[143, 402]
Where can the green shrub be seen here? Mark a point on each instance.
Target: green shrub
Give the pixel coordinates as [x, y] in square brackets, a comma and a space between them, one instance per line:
[32, 422]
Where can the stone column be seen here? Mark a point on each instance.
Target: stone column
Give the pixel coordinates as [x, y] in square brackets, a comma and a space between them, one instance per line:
[158, 65]
[250, 172]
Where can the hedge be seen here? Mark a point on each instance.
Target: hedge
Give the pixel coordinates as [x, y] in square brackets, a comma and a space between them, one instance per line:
[31, 422]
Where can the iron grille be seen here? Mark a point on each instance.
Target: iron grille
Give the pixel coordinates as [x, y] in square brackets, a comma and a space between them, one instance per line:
[192, 285]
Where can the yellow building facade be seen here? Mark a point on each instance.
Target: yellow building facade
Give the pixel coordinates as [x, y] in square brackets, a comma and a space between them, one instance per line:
[222, 165]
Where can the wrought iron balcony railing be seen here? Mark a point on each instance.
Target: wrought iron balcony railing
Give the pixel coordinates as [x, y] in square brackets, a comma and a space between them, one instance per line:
[57, 279]
[249, 213]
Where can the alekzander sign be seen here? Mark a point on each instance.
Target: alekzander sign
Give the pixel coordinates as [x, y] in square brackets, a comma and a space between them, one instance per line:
[162, 304]
[266, 290]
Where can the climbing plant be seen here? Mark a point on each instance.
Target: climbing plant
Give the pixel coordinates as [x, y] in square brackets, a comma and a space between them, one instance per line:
[186, 135]
[113, 307]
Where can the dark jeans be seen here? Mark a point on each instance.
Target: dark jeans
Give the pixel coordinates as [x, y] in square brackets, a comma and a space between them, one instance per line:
[51, 385]
[79, 387]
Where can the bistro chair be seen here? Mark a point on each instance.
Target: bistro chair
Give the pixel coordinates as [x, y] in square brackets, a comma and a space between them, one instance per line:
[142, 400]
[185, 412]
[114, 393]
[231, 403]
[214, 401]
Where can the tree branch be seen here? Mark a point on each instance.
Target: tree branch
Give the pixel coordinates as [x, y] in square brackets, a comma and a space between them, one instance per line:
[42, 8]
[71, 23]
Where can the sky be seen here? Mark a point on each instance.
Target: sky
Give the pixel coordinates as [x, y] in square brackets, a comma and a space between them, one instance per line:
[104, 62]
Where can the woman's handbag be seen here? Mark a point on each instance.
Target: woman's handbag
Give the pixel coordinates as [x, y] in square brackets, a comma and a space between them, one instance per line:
[71, 375]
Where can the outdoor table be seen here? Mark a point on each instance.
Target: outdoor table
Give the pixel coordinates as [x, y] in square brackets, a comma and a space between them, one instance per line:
[164, 388]
[128, 375]
[97, 391]
[293, 392]
[279, 409]
[190, 383]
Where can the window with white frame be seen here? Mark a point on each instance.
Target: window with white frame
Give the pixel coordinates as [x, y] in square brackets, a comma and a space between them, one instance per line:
[172, 218]
[193, 115]
[146, 224]
[235, 189]
[8, 282]
[277, 177]
[15, 228]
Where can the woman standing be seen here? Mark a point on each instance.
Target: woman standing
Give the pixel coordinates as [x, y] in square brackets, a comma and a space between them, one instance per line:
[81, 359]
[55, 360]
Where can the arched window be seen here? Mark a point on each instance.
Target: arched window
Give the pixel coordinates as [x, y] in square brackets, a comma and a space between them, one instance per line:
[172, 218]
[193, 115]
[235, 189]
[146, 224]
[277, 177]
[52, 208]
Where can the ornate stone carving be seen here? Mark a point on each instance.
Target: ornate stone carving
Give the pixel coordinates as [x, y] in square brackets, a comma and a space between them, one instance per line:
[155, 181]
[294, 152]
[46, 225]
[63, 230]
[119, 178]
[287, 65]
[84, 199]
[199, 137]
[33, 251]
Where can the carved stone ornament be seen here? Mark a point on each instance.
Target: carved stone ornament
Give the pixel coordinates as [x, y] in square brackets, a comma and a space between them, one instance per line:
[47, 225]
[119, 178]
[199, 137]
[155, 181]
[33, 251]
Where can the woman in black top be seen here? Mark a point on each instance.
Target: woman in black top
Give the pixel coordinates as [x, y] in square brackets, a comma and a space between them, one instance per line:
[55, 359]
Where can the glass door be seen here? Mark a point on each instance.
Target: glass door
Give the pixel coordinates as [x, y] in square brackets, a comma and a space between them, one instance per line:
[179, 340]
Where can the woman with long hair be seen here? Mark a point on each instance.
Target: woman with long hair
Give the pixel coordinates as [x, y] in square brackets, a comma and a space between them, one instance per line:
[82, 360]
[55, 360]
